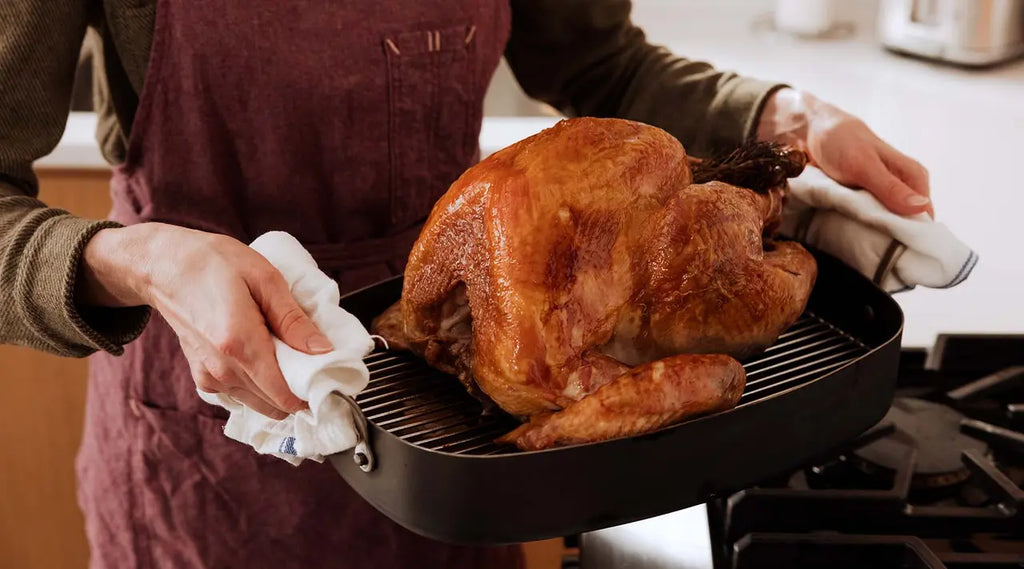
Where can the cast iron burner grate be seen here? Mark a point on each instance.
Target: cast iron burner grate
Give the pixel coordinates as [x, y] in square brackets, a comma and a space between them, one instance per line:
[432, 410]
[937, 483]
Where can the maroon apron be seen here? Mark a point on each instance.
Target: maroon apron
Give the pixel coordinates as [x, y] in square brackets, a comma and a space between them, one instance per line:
[341, 123]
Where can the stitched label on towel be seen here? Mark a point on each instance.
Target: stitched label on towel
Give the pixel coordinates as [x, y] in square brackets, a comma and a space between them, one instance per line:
[288, 446]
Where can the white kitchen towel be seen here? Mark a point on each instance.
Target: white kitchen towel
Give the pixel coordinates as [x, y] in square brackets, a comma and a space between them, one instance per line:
[898, 252]
[328, 382]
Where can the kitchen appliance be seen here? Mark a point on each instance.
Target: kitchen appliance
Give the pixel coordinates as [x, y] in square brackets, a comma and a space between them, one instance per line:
[966, 32]
[438, 472]
[935, 484]
[809, 18]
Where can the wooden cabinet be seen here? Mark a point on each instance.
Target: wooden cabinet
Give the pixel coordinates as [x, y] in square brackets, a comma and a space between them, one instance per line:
[41, 414]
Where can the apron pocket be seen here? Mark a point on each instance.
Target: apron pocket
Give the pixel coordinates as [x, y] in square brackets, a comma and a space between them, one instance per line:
[209, 501]
[192, 483]
[433, 108]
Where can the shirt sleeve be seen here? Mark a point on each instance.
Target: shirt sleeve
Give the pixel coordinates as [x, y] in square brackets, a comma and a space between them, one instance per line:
[40, 247]
[587, 58]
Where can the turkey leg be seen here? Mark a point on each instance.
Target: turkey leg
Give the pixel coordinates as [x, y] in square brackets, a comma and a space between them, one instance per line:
[645, 398]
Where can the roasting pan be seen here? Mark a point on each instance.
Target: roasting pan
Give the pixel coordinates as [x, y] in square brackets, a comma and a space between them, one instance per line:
[437, 471]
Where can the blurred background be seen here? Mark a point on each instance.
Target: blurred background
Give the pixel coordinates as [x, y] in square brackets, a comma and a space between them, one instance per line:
[942, 80]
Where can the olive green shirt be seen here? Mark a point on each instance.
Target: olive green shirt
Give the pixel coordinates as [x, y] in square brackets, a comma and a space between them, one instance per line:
[584, 57]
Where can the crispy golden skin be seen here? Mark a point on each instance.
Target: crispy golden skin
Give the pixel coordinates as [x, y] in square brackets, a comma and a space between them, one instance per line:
[585, 256]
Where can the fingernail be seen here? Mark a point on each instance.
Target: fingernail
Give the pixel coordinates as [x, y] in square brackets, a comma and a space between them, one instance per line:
[916, 200]
[319, 344]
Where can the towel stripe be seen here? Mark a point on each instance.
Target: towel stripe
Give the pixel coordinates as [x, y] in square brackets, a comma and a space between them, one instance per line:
[970, 269]
[288, 446]
[964, 272]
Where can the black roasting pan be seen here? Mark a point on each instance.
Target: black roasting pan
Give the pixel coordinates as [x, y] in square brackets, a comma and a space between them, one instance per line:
[437, 471]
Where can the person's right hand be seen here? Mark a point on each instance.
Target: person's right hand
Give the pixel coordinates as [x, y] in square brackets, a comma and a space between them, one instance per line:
[845, 149]
[222, 299]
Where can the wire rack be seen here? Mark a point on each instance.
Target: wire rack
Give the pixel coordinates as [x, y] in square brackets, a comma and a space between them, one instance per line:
[430, 409]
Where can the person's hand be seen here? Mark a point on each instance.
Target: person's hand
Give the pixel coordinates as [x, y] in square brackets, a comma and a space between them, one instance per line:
[843, 147]
[222, 299]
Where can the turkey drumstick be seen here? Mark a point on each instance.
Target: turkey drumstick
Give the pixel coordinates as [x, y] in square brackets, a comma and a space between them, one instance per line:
[644, 398]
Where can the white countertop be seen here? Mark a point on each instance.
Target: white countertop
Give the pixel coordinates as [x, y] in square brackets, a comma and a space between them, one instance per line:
[77, 148]
[966, 126]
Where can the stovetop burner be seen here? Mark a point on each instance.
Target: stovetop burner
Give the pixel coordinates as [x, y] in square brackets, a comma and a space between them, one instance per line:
[937, 483]
[933, 431]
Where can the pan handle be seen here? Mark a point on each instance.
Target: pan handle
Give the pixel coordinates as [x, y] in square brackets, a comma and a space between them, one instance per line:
[888, 262]
[362, 454]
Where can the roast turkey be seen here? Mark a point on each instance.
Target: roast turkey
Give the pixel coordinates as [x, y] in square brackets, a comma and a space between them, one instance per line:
[596, 283]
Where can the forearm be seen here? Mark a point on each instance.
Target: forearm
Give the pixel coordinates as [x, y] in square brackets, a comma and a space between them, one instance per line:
[41, 247]
[587, 58]
[710, 111]
[40, 257]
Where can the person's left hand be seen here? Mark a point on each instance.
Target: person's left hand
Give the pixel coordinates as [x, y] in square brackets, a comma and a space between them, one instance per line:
[843, 147]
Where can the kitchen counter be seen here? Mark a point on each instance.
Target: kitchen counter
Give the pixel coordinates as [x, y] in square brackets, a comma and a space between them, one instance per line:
[966, 126]
[77, 149]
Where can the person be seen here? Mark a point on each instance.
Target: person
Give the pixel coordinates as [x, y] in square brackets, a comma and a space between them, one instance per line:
[340, 123]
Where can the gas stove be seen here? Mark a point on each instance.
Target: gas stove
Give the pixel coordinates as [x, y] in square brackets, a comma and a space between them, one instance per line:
[936, 483]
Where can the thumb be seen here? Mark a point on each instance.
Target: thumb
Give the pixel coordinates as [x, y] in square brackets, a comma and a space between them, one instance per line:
[893, 192]
[284, 316]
